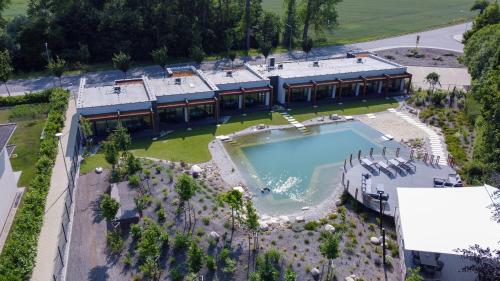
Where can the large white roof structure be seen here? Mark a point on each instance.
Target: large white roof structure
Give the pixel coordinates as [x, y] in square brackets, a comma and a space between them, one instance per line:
[337, 66]
[441, 220]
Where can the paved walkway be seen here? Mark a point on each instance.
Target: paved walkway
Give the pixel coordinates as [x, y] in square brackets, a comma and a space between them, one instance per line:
[48, 256]
[442, 38]
[449, 77]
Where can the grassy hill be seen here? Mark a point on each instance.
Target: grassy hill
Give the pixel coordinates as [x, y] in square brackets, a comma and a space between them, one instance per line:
[364, 20]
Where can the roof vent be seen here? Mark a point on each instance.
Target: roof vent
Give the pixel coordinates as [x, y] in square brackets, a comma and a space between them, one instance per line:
[280, 66]
[117, 89]
[316, 63]
[229, 73]
[178, 81]
[359, 60]
[191, 85]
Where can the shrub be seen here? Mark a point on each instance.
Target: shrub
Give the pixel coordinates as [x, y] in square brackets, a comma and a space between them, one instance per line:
[158, 169]
[311, 225]
[108, 206]
[135, 231]
[134, 180]
[161, 214]
[114, 242]
[181, 241]
[21, 243]
[210, 262]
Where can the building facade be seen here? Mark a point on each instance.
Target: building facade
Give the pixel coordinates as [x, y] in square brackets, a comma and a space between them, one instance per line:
[8, 178]
[187, 95]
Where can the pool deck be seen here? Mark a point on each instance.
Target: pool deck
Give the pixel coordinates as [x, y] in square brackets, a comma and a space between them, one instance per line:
[421, 178]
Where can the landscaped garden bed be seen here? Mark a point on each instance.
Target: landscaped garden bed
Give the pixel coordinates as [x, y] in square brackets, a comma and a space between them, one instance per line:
[422, 57]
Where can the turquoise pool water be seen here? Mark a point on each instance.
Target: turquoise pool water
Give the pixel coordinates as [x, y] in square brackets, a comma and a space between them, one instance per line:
[300, 170]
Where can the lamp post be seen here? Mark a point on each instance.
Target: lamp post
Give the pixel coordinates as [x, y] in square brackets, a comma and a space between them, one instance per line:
[290, 38]
[47, 51]
[380, 195]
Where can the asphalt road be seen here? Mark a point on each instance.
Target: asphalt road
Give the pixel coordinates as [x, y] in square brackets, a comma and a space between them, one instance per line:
[438, 38]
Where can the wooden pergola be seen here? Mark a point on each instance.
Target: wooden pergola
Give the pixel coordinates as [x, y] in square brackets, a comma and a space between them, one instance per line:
[189, 103]
[341, 82]
[122, 114]
[244, 91]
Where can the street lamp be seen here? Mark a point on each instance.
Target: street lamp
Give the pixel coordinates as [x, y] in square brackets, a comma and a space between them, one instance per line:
[290, 37]
[47, 51]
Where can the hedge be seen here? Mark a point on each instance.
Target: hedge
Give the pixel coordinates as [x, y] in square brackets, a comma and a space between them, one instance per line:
[29, 98]
[19, 253]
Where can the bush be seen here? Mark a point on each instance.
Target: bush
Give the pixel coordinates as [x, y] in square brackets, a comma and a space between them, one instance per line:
[29, 111]
[210, 262]
[18, 256]
[114, 242]
[205, 220]
[40, 97]
[135, 231]
[311, 225]
[134, 180]
[181, 241]
[161, 214]
[108, 206]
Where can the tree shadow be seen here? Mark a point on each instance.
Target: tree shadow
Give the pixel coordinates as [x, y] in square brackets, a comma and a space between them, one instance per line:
[98, 273]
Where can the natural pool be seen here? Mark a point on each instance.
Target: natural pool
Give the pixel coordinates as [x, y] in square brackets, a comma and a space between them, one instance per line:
[300, 170]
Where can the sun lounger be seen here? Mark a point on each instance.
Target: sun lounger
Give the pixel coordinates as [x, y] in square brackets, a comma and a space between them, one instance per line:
[368, 163]
[439, 182]
[395, 164]
[383, 166]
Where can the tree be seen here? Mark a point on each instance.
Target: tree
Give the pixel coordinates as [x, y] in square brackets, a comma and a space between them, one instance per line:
[484, 262]
[86, 128]
[329, 248]
[121, 138]
[251, 220]
[481, 52]
[489, 16]
[268, 265]
[413, 275]
[160, 57]
[195, 257]
[319, 13]
[265, 48]
[5, 68]
[432, 79]
[108, 206]
[291, 26]
[307, 46]
[197, 53]
[186, 187]
[268, 29]
[232, 57]
[110, 153]
[479, 5]
[235, 199]
[247, 25]
[57, 68]
[122, 62]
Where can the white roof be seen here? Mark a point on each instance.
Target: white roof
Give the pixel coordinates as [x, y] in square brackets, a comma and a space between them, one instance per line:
[130, 91]
[441, 220]
[329, 67]
[238, 75]
[191, 81]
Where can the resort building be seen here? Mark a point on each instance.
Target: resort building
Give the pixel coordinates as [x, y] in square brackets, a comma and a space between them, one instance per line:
[187, 95]
[431, 223]
[8, 178]
[361, 76]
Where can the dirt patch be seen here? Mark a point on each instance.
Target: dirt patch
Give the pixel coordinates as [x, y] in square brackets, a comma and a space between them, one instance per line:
[422, 57]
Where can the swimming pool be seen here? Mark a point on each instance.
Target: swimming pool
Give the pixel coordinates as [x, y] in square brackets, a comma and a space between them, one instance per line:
[300, 170]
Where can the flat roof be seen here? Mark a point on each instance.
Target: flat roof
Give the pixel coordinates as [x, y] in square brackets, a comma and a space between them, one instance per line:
[441, 220]
[6, 131]
[191, 81]
[328, 67]
[131, 91]
[238, 75]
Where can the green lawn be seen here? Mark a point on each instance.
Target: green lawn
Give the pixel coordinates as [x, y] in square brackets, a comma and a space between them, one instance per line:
[27, 141]
[347, 108]
[363, 20]
[16, 8]
[192, 146]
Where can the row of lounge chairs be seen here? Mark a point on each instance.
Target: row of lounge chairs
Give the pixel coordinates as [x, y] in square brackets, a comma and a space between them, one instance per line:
[399, 164]
[367, 188]
[453, 180]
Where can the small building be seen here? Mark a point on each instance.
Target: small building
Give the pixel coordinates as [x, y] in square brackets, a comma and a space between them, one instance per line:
[8, 178]
[335, 79]
[129, 101]
[241, 88]
[431, 223]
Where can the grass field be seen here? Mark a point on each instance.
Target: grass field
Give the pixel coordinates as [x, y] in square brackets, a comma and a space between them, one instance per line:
[16, 7]
[192, 146]
[364, 20]
[27, 141]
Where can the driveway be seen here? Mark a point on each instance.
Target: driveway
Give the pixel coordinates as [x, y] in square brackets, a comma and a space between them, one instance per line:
[443, 38]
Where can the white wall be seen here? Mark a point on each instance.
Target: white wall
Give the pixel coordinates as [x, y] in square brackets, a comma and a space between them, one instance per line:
[182, 97]
[114, 108]
[8, 186]
[247, 85]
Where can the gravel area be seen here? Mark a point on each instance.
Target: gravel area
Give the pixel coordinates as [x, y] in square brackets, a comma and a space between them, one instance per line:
[430, 57]
[390, 123]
